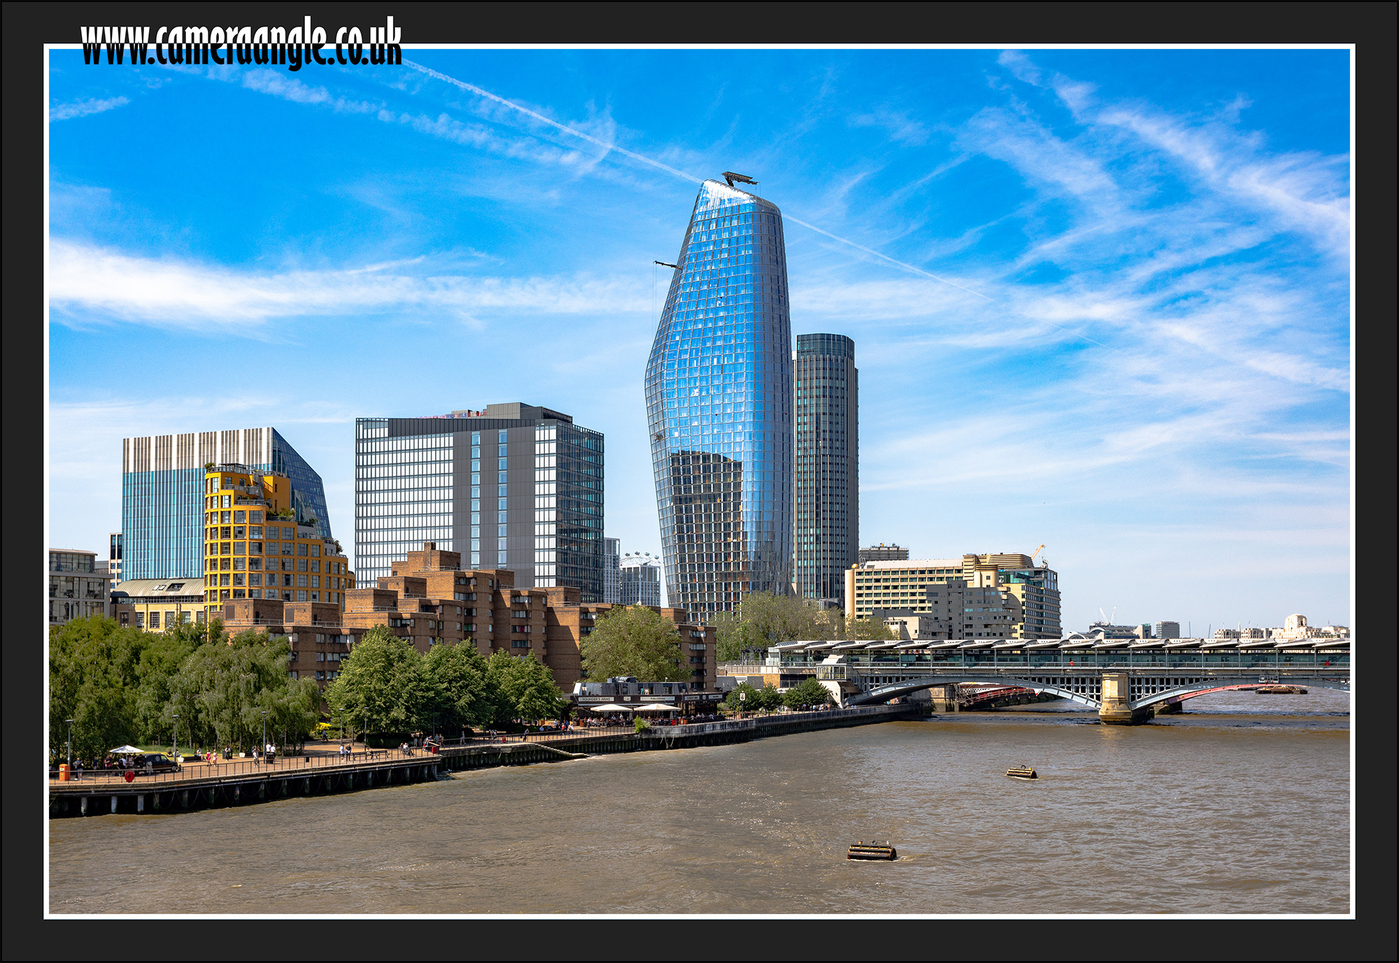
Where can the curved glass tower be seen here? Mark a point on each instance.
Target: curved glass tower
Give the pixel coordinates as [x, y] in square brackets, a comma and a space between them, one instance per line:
[719, 404]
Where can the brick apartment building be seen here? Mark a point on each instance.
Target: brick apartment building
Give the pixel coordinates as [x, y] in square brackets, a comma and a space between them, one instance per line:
[430, 600]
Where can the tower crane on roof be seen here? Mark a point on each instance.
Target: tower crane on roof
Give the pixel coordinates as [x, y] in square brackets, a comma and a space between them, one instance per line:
[1037, 551]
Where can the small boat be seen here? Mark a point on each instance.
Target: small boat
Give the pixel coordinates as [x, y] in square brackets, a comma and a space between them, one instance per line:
[864, 850]
[1022, 772]
[1277, 689]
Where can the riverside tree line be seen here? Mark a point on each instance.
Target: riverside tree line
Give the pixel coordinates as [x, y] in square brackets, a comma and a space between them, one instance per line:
[124, 685]
[121, 685]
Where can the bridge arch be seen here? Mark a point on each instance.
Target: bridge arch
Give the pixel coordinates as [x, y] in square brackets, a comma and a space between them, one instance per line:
[1146, 691]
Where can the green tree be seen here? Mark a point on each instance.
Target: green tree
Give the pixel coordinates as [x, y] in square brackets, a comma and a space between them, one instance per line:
[635, 641]
[769, 699]
[525, 687]
[382, 685]
[224, 688]
[160, 663]
[872, 629]
[742, 697]
[460, 694]
[809, 693]
[763, 620]
[93, 680]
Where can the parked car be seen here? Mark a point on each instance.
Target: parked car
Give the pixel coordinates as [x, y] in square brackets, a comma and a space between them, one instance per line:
[156, 762]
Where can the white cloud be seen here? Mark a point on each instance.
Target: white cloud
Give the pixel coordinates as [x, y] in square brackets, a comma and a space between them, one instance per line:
[89, 284]
[83, 108]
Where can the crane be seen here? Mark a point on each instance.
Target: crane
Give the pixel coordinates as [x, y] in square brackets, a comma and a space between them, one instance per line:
[1037, 551]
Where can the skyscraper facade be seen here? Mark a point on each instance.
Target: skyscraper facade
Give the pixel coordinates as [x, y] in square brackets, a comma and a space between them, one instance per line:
[162, 494]
[719, 406]
[611, 570]
[511, 486]
[827, 464]
[641, 579]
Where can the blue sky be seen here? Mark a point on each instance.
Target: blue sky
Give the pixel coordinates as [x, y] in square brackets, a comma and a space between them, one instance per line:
[1100, 298]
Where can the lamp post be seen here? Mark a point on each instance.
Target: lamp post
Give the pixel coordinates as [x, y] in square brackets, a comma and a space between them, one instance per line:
[70, 742]
[264, 734]
[175, 739]
[366, 730]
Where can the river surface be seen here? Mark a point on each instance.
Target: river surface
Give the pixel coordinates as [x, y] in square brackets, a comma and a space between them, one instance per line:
[1240, 805]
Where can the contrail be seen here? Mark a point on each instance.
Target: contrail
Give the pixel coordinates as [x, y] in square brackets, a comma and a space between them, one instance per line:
[670, 170]
[552, 123]
[906, 267]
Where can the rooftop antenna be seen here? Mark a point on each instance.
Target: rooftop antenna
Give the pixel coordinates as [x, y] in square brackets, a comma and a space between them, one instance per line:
[730, 176]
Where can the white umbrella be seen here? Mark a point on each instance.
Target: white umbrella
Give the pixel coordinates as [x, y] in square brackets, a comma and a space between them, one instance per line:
[608, 707]
[656, 707]
[124, 751]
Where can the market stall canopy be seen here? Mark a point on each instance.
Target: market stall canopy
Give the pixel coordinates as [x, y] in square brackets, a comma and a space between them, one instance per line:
[125, 751]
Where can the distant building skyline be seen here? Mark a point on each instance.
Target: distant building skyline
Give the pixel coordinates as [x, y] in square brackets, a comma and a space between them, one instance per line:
[882, 553]
[719, 406]
[1029, 593]
[641, 579]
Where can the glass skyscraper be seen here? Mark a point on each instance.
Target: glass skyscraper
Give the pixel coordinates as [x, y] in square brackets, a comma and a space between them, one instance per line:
[512, 486]
[719, 404]
[828, 466]
[162, 494]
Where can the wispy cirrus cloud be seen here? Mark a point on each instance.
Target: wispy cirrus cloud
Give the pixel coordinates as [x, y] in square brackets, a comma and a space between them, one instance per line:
[168, 292]
[84, 108]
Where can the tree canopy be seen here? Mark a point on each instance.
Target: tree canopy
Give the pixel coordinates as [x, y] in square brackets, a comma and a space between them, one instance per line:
[122, 685]
[386, 684]
[383, 685]
[638, 641]
[763, 620]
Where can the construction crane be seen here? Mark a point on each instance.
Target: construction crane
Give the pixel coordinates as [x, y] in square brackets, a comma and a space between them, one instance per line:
[1037, 551]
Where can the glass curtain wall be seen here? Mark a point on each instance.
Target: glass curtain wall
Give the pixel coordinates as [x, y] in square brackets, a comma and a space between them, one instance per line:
[719, 406]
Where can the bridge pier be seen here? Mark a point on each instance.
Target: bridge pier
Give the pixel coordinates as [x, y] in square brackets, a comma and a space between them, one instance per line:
[1116, 710]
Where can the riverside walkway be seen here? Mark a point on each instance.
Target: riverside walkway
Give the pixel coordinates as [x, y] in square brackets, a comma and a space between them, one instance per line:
[322, 769]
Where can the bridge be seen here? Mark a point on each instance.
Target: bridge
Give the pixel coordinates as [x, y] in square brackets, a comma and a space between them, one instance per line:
[1127, 681]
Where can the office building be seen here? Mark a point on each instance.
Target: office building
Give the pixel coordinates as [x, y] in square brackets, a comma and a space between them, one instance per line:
[827, 464]
[162, 494]
[719, 406]
[112, 566]
[511, 486]
[77, 589]
[1167, 630]
[641, 579]
[157, 604]
[255, 547]
[1029, 592]
[958, 610]
[612, 571]
[882, 553]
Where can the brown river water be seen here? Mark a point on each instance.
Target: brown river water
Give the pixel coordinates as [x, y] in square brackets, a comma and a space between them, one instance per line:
[1240, 805]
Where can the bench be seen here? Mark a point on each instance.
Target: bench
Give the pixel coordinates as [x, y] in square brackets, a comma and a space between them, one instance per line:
[371, 753]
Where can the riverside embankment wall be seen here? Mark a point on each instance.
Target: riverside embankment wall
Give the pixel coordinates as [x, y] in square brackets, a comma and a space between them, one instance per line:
[237, 785]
